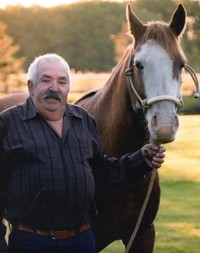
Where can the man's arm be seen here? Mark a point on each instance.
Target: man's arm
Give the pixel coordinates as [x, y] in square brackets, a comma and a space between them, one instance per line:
[3, 244]
[128, 168]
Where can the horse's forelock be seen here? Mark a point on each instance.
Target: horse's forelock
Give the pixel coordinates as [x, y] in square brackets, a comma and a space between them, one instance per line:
[162, 33]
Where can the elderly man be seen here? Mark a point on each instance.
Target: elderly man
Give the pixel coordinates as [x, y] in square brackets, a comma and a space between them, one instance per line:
[50, 160]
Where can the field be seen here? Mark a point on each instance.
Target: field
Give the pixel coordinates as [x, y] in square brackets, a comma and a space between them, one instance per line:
[178, 219]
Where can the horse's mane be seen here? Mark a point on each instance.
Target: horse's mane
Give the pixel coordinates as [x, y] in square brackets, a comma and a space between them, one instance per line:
[124, 59]
[163, 34]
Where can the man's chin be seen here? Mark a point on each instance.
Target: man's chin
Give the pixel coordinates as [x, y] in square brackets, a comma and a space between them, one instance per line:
[54, 105]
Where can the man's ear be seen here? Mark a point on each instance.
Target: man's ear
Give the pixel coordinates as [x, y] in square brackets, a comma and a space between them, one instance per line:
[30, 88]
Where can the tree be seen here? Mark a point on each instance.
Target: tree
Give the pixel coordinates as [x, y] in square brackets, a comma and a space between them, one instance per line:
[192, 33]
[9, 65]
[89, 34]
[121, 42]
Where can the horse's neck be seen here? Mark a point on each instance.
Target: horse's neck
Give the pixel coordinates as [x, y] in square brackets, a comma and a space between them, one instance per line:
[115, 89]
[114, 95]
[124, 126]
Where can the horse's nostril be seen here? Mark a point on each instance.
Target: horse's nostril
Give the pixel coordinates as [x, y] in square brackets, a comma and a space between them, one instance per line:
[176, 121]
[154, 121]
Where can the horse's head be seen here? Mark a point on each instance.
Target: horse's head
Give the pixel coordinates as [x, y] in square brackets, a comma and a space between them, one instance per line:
[156, 64]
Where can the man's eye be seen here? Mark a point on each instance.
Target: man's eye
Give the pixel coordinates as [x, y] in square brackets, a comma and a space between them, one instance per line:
[62, 82]
[45, 80]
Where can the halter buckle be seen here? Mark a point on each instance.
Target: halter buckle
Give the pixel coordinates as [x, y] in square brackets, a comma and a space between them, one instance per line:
[129, 72]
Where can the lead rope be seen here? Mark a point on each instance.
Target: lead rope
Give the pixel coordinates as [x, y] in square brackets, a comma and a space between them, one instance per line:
[146, 200]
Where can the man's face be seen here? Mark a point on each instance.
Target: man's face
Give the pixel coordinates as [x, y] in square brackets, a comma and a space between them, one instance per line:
[51, 87]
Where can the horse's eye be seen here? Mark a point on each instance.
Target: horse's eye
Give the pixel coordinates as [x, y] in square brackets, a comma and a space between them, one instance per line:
[138, 65]
[181, 66]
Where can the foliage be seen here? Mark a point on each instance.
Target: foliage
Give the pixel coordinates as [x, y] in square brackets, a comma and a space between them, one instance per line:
[86, 33]
[192, 33]
[79, 32]
[9, 65]
[191, 105]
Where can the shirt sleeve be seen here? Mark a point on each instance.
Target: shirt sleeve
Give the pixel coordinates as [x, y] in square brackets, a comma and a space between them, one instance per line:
[2, 195]
[111, 171]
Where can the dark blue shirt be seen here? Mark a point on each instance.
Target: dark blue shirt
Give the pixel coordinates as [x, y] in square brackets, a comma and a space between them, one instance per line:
[48, 182]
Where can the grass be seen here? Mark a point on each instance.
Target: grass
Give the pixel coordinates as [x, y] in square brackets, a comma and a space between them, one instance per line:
[178, 219]
[178, 228]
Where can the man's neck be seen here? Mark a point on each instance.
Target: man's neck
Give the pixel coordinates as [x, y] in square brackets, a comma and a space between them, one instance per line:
[52, 116]
[57, 125]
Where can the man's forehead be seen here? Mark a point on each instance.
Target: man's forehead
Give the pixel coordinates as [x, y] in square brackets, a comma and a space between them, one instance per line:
[46, 75]
[48, 63]
[48, 68]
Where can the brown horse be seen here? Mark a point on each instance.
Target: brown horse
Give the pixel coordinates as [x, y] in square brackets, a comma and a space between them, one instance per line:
[139, 102]
[148, 77]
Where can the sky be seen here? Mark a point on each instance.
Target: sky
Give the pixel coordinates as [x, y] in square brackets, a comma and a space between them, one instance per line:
[27, 3]
[44, 3]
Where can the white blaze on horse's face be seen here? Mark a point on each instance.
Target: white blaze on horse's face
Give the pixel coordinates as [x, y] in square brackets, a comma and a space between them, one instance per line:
[159, 79]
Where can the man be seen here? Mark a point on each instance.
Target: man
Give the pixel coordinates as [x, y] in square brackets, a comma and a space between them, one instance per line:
[50, 160]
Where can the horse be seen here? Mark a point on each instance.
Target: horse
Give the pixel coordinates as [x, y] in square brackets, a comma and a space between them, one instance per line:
[139, 103]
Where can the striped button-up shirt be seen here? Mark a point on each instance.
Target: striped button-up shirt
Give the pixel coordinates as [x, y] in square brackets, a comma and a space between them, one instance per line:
[48, 182]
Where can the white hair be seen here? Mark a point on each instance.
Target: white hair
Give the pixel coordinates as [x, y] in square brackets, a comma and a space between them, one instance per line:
[32, 70]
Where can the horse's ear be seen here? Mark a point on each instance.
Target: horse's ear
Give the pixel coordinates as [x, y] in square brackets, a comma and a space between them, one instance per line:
[178, 20]
[136, 27]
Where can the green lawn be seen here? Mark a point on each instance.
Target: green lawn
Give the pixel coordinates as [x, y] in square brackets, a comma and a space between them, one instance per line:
[178, 219]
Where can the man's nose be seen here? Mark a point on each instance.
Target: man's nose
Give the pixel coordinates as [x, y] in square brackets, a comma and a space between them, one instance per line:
[54, 85]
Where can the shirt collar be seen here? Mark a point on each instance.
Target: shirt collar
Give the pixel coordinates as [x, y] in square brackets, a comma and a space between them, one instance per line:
[31, 112]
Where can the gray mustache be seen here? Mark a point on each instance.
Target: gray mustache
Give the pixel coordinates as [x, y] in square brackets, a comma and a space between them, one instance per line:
[52, 94]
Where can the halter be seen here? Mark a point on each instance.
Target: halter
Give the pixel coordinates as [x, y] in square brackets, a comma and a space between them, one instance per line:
[146, 103]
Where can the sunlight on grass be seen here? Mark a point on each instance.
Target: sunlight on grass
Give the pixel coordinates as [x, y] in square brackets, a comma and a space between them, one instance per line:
[73, 96]
[183, 155]
[186, 229]
[88, 81]
[115, 247]
[178, 220]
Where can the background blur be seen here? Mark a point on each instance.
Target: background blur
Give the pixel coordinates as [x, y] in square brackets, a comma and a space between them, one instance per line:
[90, 35]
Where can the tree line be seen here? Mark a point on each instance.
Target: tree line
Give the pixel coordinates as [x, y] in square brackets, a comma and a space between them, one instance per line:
[89, 34]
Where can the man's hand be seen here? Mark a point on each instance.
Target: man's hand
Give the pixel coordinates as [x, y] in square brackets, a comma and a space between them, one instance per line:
[153, 155]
